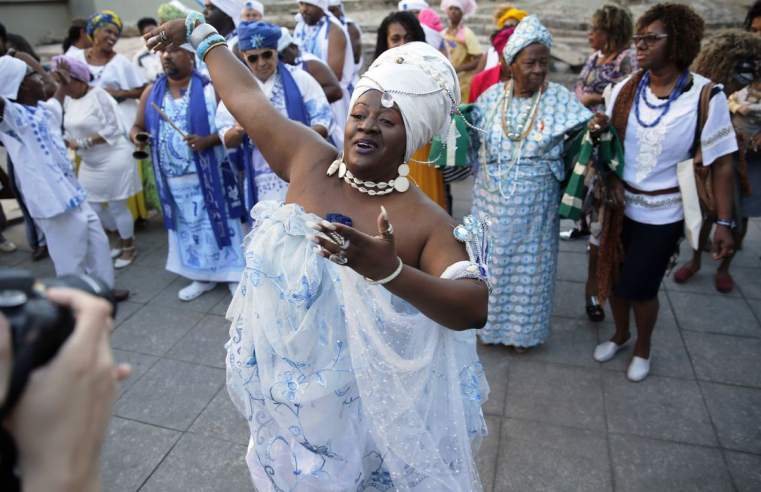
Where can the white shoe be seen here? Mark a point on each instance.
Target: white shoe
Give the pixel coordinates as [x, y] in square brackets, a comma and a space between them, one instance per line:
[233, 286]
[606, 350]
[116, 253]
[638, 369]
[7, 247]
[196, 289]
[125, 263]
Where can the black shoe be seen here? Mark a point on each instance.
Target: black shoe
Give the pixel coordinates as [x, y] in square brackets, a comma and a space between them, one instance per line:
[120, 295]
[40, 253]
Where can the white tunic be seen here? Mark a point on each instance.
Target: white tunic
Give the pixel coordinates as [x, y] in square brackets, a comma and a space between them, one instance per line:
[652, 154]
[108, 171]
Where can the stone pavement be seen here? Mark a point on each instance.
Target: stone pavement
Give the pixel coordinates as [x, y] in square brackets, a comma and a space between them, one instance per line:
[557, 419]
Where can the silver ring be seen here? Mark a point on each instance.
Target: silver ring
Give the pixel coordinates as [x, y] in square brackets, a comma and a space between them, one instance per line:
[596, 127]
[192, 146]
[163, 37]
[338, 259]
[337, 238]
[388, 232]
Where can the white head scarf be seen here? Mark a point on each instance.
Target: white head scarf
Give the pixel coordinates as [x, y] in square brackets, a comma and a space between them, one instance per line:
[253, 4]
[12, 73]
[468, 7]
[232, 8]
[323, 4]
[413, 5]
[285, 40]
[403, 72]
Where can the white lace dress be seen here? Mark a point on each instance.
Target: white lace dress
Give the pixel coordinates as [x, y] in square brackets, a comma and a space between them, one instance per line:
[345, 386]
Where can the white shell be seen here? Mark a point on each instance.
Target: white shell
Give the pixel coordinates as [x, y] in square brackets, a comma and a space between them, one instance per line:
[342, 170]
[404, 170]
[333, 167]
[401, 184]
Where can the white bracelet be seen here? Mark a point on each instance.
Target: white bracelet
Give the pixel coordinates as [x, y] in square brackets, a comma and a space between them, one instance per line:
[390, 277]
[201, 32]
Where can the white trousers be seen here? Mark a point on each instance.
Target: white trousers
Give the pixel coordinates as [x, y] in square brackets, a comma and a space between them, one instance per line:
[77, 244]
[116, 217]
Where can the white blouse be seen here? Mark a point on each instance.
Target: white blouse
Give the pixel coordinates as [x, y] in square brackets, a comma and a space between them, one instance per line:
[652, 154]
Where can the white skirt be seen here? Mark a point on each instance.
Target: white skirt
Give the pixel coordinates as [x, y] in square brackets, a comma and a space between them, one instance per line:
[109, 172]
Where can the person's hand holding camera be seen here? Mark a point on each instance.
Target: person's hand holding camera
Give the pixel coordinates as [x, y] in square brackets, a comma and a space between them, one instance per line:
[60, 422]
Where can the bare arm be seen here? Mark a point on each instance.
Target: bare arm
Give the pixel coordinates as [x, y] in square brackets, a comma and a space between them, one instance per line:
[723, 180]
[336, 51]
[327, 80]
[481, 64]
[139, 125]
[126, 94]
[472, 64]
[356, 41]
[47, 78]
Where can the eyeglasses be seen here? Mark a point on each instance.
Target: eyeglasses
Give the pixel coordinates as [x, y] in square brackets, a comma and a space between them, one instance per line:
[266, 55]
[649, 39]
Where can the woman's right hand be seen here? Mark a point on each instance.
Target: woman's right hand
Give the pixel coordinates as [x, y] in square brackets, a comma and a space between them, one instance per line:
[175, 36]
[614, 189]
[598, 124]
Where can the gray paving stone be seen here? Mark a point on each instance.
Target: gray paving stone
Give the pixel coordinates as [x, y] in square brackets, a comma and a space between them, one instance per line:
[487, 457]
[205, 343]
[702, 282]
[154, 329]
[168, 297]
[555, 394]
[540, 457]
[153, 259]
[725, 359]
[572, 342]
[646, 464]
[132, 451]
[668, 355]
[736, 413]
[126, 309]
[575, 246]
[171, 394]
[201, 464]
[746, 470]
[144, 283]
[220, 309]
[40, 269]
[658, 407]
[700, 313]
[748, 257]
[140, 364]
[573, 266]
[496, 362]
[748, 281]
[11, 260]
[221, 420]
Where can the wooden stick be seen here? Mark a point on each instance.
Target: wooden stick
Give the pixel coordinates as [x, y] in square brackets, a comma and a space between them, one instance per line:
[163, 115]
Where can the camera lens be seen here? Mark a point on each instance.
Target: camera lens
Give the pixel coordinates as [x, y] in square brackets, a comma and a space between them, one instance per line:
[12, 298]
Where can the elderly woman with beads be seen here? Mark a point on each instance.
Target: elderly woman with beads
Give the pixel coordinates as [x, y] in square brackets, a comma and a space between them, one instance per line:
[613, 60]
[655, 114]
[518, 184]
[351, 354]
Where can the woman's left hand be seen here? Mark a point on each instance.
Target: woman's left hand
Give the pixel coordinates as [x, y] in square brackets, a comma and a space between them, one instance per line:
[73, 144]
[371, 257]
[174, 36]
[598, 124]
[723, 242]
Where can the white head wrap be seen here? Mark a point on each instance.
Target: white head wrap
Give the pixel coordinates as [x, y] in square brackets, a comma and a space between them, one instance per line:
[285, 40]
[468, 7]
[232, 8]
[404, 72]
[413, 5]
[253, 4]
[323, 4]
[334, 3]
[12, 73]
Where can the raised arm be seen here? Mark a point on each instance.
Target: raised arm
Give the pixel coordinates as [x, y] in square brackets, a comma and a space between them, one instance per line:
[274, 135]
[327, 80]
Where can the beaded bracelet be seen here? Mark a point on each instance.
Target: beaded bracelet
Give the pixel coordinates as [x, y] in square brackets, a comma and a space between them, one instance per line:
[190, 22]
[725, 222]
[209, 43]
[390, 277]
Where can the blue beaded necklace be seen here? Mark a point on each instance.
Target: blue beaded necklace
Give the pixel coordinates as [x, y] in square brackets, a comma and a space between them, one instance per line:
[676, 92]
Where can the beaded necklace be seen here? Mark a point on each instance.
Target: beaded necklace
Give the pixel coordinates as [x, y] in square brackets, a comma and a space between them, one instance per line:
[641, 95]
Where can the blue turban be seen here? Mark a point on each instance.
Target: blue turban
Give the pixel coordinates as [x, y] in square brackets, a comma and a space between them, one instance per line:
[529, 31]
[253, 35]
[102, 19]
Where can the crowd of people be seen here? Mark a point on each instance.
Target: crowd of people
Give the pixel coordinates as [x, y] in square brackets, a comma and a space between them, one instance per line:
[313, 181]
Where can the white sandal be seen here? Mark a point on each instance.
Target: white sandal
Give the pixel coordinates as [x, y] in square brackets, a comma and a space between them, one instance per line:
[195, 289]
[116, 253]
[125, 263]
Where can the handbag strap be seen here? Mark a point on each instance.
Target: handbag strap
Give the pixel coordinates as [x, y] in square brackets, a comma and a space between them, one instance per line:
[703, 102]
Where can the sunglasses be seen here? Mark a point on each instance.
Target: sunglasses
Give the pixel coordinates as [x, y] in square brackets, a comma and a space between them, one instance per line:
[649, 39]
[266, 55]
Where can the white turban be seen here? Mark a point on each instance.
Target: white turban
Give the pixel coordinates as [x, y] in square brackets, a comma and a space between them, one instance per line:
[323, 4]
[232, 8]
[416, 68]
[468, 7]
[334, 3]
[12, 73]
[285, 40]
[413, 5]
[253, 4]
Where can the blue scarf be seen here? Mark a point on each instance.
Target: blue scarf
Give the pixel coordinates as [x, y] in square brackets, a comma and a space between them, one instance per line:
[294, 105]
[207, 167]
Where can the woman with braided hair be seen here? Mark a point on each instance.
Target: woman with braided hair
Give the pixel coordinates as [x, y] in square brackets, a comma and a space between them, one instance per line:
[655, 113]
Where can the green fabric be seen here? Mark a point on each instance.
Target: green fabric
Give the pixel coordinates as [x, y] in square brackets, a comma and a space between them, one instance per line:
[168, 12]
[578, 160]
[439, 148]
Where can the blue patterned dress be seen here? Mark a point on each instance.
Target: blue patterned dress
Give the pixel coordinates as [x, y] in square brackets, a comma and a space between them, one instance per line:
[522, 197]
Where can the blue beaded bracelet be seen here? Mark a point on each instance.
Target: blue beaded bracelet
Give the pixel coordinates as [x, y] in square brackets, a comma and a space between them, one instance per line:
[190, 23]
[726, 223]
[208, 43]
